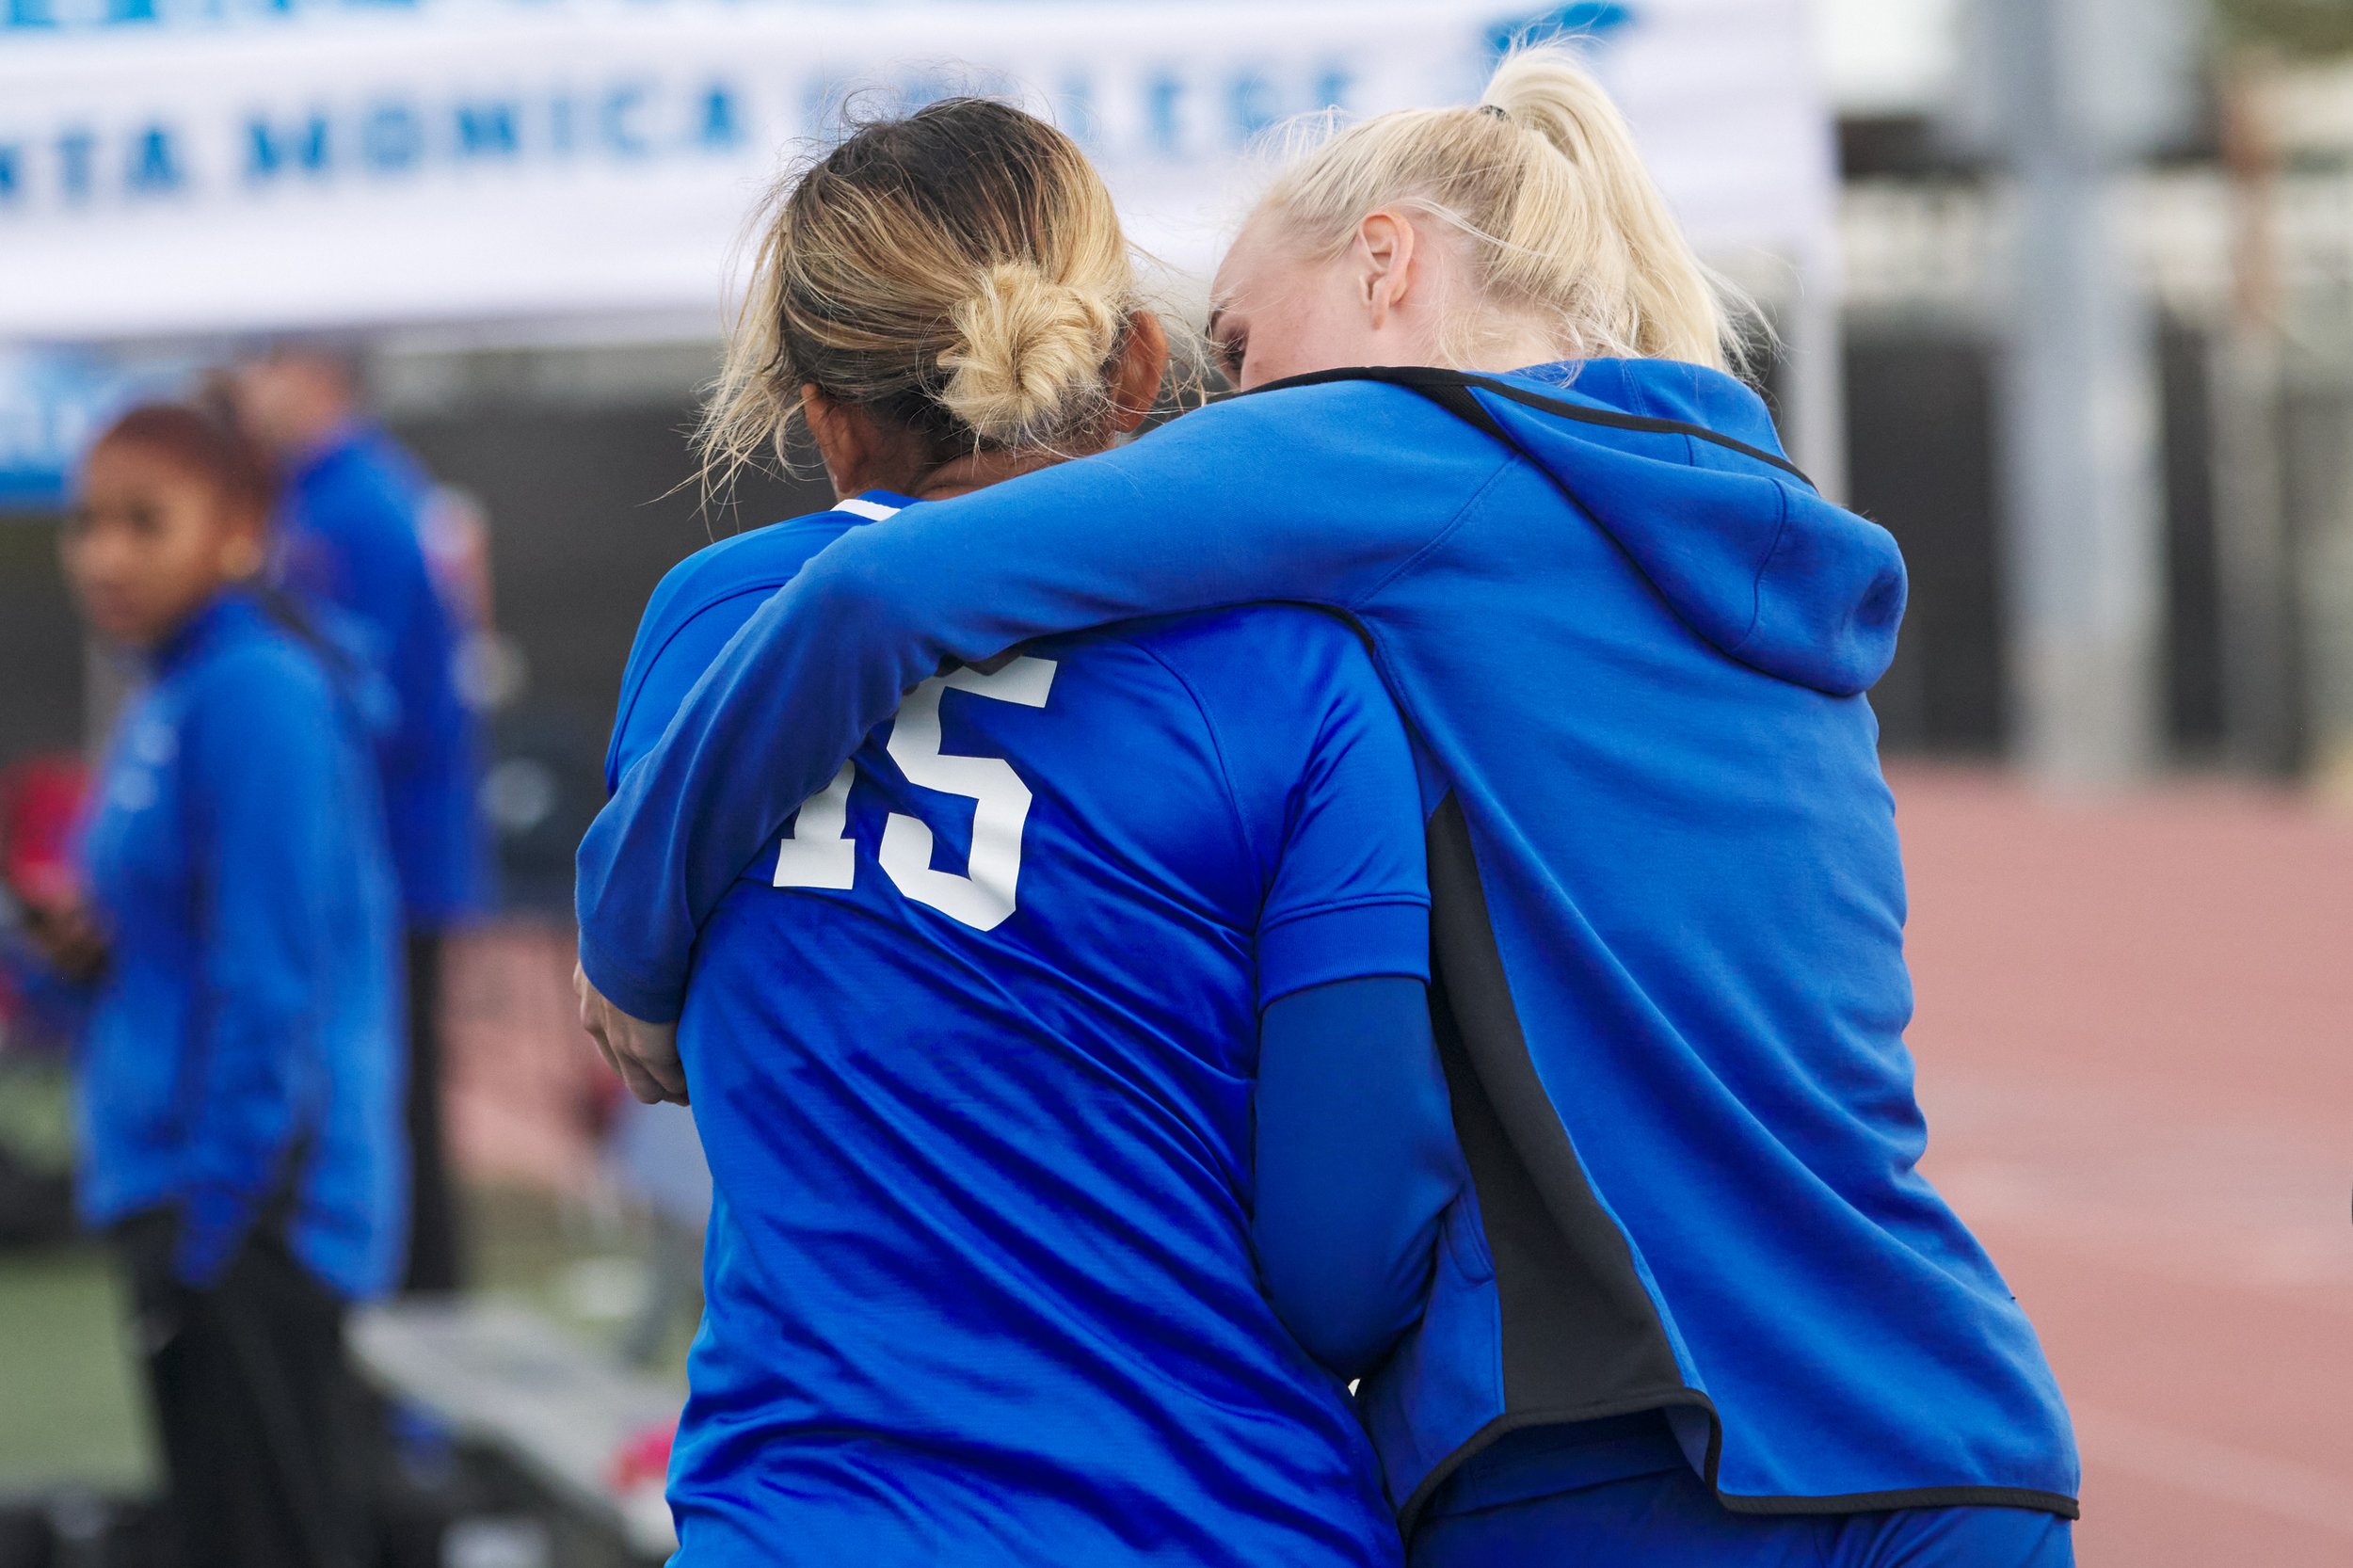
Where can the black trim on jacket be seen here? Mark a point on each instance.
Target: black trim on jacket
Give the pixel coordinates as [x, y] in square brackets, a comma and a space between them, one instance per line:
[1582, 1339]
[1450, 390]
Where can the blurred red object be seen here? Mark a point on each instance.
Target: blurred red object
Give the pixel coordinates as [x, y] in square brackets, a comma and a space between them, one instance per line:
[40, 803]
[643, 1459]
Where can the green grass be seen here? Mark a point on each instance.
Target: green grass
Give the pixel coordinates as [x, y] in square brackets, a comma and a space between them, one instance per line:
[71, 1410]
[35, 1113]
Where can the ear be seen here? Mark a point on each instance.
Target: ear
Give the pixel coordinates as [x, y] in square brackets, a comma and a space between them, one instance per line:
[860, 452]
[1141, 366]
[246, 551]
[1385, 255]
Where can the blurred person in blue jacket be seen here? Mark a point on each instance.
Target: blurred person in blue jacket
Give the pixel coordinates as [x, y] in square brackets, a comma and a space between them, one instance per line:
[237, 939]
[351, 534]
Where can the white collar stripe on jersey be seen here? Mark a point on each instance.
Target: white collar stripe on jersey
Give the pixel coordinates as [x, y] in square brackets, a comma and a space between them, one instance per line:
[873, 511]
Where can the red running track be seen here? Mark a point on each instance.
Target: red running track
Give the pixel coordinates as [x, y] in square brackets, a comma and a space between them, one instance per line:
[2136, 1048]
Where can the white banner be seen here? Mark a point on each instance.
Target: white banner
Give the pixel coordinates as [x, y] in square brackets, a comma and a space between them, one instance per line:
[353, 165]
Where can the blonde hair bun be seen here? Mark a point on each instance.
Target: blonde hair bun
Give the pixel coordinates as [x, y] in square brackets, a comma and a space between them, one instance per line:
[1028, 362]
[959, 271]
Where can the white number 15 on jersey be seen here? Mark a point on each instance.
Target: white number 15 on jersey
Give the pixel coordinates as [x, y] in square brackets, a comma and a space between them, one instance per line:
[819, 853]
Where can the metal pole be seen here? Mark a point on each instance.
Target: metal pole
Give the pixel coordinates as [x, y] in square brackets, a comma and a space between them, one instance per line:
[2085, 577]
[1813, 371]
[2251, 546]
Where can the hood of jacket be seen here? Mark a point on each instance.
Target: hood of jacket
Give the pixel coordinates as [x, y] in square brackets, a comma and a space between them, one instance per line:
[1749, 555]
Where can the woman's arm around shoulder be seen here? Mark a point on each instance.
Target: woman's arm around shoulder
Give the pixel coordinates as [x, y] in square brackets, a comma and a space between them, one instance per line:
[1229, 505]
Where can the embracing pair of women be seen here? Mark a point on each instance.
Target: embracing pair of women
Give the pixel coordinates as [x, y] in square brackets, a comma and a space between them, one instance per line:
[1321, 986]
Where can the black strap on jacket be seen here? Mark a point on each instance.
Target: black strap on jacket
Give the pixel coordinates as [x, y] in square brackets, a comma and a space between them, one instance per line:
[287, 612]
[1451, 389]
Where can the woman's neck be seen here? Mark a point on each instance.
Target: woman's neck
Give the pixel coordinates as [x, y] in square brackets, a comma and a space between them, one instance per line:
[969, 471]
[167, 644]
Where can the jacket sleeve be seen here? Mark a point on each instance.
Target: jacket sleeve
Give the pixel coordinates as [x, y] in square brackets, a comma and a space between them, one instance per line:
[1159, 526]
[1356, 1164]
[386, 558]
[363, 554]
[263, 754]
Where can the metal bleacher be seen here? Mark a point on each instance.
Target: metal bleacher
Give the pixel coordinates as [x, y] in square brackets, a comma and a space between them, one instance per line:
[509, 1381]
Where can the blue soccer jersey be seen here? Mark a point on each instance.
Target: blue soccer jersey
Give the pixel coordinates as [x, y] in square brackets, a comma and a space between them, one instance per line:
[972, 1052]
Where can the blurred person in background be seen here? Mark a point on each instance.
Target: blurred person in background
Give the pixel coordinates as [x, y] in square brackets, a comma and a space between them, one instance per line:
[353, 527]
[236, 932]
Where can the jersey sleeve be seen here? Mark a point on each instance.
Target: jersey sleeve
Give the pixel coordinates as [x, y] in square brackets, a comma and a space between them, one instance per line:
[1350, 892]
[671, 654]
[699, 604]
[1159, 526]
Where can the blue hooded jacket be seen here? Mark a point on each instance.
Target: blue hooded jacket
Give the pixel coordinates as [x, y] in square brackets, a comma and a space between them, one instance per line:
[351, 525]
[1668, 899]
[250, 1015]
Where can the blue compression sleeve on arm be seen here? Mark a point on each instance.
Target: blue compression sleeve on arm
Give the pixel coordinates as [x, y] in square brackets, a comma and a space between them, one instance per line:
[1356, 1163]
[1160, 526]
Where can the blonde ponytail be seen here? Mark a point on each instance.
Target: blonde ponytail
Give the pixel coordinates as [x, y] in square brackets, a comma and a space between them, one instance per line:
[1545, 178]
[960, 271]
